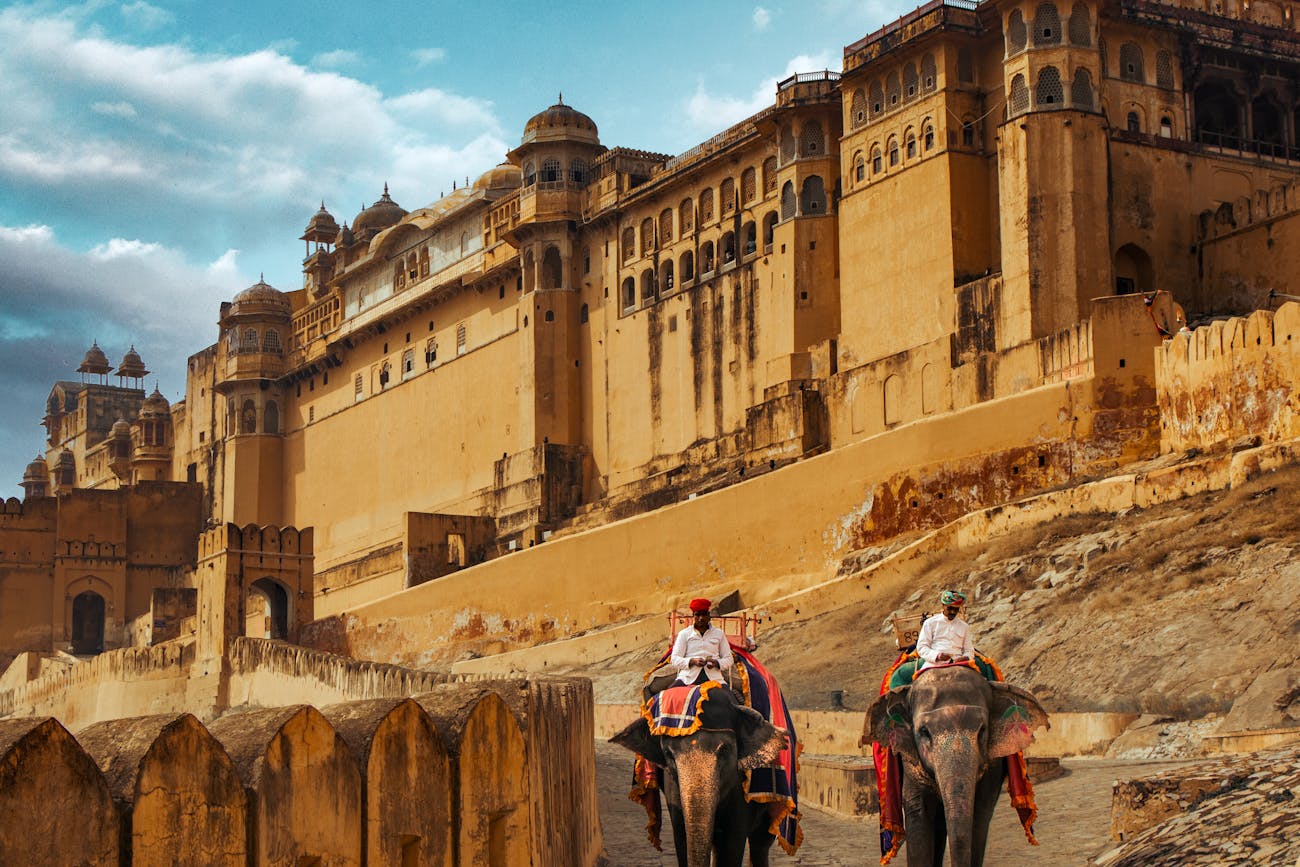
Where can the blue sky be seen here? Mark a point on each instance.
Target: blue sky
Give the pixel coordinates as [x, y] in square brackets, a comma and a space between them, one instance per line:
[155, 158]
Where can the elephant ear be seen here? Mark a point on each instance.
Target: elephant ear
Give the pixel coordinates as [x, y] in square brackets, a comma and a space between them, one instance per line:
[758, 742]
[638, 739]
[1013, 716]
[889, 723]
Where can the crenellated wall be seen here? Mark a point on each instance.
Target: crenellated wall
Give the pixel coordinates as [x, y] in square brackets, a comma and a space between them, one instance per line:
[1250, 247]
[1232, 379]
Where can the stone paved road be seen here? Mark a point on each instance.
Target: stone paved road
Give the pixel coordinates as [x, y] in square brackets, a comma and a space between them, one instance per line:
[1073, 824]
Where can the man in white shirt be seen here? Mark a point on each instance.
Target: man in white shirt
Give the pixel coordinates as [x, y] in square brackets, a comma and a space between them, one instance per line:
[701, 651]
[946, 638]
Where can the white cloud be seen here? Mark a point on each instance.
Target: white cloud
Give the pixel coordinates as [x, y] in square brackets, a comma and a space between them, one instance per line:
[18, 235]
[426, 56]
[146, 16]
[113, 109]
[121, 248]
[336, 59]
[762, 18]
[711, 111]
[421, 106]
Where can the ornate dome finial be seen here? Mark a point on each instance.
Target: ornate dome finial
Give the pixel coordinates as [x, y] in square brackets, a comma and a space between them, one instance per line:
[561, 100]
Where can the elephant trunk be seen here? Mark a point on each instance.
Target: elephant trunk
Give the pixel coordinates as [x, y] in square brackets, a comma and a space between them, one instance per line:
[957, 775]
[700, 785]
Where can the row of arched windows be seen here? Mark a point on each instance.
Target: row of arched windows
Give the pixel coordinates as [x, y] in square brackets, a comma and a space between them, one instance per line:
[1132, 65]
[1047, 29]
[810, 142]
[411, 267]
[902, 86]
[552, 172]
[896, 151]
[270, 417]
[657, 233]
[728, 248]
[1049, 92]
[247, 341]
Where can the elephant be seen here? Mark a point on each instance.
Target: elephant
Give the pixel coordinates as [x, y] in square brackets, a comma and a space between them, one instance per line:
[704, 781]
[952, 729]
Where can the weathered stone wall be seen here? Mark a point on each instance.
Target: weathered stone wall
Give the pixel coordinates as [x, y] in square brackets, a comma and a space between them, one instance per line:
[495, 773]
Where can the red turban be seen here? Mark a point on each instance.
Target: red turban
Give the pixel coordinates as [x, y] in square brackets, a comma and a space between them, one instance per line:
[700, 606]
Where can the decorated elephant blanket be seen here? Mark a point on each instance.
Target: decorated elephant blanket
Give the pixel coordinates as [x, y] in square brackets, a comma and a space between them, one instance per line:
[682, 710]
[889, 768]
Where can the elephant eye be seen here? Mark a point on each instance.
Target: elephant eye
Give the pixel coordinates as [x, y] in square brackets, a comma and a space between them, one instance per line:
[925, 732]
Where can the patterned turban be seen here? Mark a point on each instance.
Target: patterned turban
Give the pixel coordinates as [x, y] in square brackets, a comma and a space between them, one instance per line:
[952, 597]
[701, 606]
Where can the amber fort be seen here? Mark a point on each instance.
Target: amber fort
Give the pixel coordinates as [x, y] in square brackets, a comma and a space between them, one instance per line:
[1009, 251]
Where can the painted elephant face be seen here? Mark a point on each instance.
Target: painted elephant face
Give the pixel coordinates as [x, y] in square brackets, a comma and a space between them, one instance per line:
[750, 743]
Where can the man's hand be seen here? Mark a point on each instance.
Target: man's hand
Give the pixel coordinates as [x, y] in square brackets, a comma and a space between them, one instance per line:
[943, 657]
[711, 663]
[698, 661]
[962, 659]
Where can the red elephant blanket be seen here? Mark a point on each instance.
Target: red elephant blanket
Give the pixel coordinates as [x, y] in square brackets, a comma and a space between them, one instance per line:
[889, 772]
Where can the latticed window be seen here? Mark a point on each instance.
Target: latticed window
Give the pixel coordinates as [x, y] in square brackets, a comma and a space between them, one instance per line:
[357, 387]
[462, 339]
[1019, 102]
[1081, 90]
[1080, 25]
[911, 145]
[666, 226]
[1130, 62]
[530, 173]
[686, 216]
[727, 196]
[814, 140]
[578, 171]
[877, 162]
[629, 244]
[858, 109]
[911, 86]
[1047, 25]
[787, 200]
[1049, 91]
[271, 341]
[1164, 70]
[769, 175]
[788, 146]
[647, 236]
[551, 170]
[929, 74]
[893, 151]
[1015, 32]
[893, 90]
[250, 340]
[965, 65]
[748, 185]
[859, 169]
[706, 206]
[877, 99]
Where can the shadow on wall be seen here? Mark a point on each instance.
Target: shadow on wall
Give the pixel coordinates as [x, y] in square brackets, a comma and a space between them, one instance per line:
[454, 776]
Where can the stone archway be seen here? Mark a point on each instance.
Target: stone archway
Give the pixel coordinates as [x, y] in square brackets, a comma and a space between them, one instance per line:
[275, 598]
[88, 623]
[1133, 272]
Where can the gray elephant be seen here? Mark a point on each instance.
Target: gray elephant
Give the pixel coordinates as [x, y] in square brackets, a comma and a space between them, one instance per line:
[704, 780]
[952, 729]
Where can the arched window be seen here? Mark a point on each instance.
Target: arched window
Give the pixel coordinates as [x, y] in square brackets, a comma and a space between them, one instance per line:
[530, 173]
[275, 599]
[430, 354]
[424, 261]
[968, 132]
[647, 236]
[271, 418]
[1019, 102]
[552, 269]
[813, 140]
[248, 418]
[686, 266]
[1081, 90]
[629, 294]
[858, 109]
[578, 171]
[965, 65]
[666, 275]
[909, 144]
[665, 225]
[1133, 271]
[727, 196]
[859, 168]
[358, 387]
[877, 100]
[927, 136]
[769, 229]
[1133, 123]
[87, 623]
[462, 339]
[748, 238]
[893, 90]
[1166, 127]
[399, 276]
[892, 147]
[629, 244]
[769, 175]
[1049, 90]
[877, 162]
[686, 216]
[250, 340]
[1047, 25]
[727, 247]
[748, 185]
[787, 200]
[551, 170]
[813, 196]
[892, 399]
[911, 84]
[1080, 25]
[706, 207]
[706, 257]
[788, 146]
[1164, 70]
[1130, 63]
[929, 74]
[271, 341]
[1015, 32]
[583, 315]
